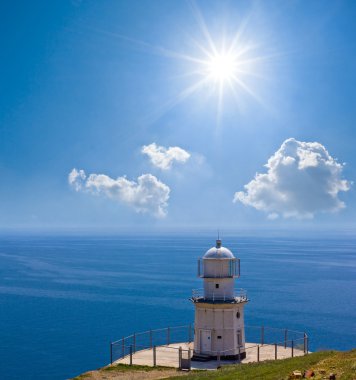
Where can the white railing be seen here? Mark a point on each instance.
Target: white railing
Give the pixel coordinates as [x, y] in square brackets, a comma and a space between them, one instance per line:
[239, 295]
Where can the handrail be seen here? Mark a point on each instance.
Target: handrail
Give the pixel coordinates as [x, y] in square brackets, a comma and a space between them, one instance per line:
[153, 331]
[277, 329]
[191, 326]
[132, 343]
[249, 348]
[218, 296]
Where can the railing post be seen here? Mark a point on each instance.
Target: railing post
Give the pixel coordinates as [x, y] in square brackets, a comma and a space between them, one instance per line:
[190, 333]
[134, 342]
[262, 335]
[130, 354]
[154, 356]
[110, 352]
[180, 358]
[168, 335]
[258, 353]
[275, 351]
[304, 342]
[123, 347]
[218, 360]
[285, 338]
[292, 348]
[151, 338]
[307, 345]
[239, 354]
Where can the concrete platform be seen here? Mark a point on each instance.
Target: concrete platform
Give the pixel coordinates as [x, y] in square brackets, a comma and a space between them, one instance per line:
[169, 355]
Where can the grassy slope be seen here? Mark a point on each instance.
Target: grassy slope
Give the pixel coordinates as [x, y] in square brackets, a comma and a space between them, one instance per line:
[343, 364]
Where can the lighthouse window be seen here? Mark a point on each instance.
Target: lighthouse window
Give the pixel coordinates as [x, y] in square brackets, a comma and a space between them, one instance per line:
[219, 336]
[238, 315]
[238, 333]
[217, 286]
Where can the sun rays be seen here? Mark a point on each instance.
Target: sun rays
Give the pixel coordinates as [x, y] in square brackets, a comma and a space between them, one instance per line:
[225, 66]
[219, 66]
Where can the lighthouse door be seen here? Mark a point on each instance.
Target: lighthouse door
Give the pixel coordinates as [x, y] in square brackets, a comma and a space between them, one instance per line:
[205, 340]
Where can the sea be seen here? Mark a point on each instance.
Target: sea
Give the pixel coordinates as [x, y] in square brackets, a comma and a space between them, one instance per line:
[63, 299]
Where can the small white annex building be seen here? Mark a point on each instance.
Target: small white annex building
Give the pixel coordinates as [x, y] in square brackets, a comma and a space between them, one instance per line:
[219, 307]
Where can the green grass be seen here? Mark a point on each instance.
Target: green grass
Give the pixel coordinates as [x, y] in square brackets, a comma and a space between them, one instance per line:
[343, 364]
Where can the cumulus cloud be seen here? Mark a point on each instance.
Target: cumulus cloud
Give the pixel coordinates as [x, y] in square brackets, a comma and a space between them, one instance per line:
[146, 195]
[162, 157]
[302, 179]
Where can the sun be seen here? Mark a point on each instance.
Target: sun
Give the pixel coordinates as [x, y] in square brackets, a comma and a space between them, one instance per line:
[221, 67]
[227, 66]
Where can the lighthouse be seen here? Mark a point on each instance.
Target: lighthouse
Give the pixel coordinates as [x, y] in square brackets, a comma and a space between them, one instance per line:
[219, 307]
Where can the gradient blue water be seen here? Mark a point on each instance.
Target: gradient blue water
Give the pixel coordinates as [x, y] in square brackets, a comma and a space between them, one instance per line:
[63, 299]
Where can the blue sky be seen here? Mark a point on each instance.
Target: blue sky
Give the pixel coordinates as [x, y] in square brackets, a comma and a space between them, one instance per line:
[87, 84]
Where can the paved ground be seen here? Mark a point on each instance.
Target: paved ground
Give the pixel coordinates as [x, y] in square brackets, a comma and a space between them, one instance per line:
[168, 355]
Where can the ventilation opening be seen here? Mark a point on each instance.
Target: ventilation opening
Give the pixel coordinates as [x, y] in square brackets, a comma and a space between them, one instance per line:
[217, 286]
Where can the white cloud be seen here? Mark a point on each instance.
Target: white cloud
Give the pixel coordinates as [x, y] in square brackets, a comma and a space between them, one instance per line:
[302, 179]
[162, 157]
[76, 179]
[146, 195]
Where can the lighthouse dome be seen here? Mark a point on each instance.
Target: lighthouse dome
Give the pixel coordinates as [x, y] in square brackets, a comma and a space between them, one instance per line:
[218, 252]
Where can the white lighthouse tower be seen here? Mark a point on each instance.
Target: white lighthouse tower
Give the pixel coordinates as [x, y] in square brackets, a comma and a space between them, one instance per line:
[219, 307]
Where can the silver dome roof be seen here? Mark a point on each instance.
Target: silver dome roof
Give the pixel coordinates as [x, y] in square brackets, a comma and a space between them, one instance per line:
[218, 252]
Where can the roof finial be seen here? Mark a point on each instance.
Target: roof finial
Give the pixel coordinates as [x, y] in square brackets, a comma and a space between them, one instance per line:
[218, 241]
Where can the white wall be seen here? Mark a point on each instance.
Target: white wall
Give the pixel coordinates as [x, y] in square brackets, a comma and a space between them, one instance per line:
[225, 289]
[221, 321]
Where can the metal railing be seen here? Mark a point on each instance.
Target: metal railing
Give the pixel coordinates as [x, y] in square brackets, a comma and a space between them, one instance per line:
[239, 295]
[150, 339]
[285, 343]
[260, 352]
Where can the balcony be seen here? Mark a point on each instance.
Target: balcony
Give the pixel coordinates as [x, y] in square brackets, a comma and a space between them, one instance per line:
[239, 295]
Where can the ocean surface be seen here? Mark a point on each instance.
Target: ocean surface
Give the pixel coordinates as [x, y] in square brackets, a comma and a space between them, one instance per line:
[63, 299]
